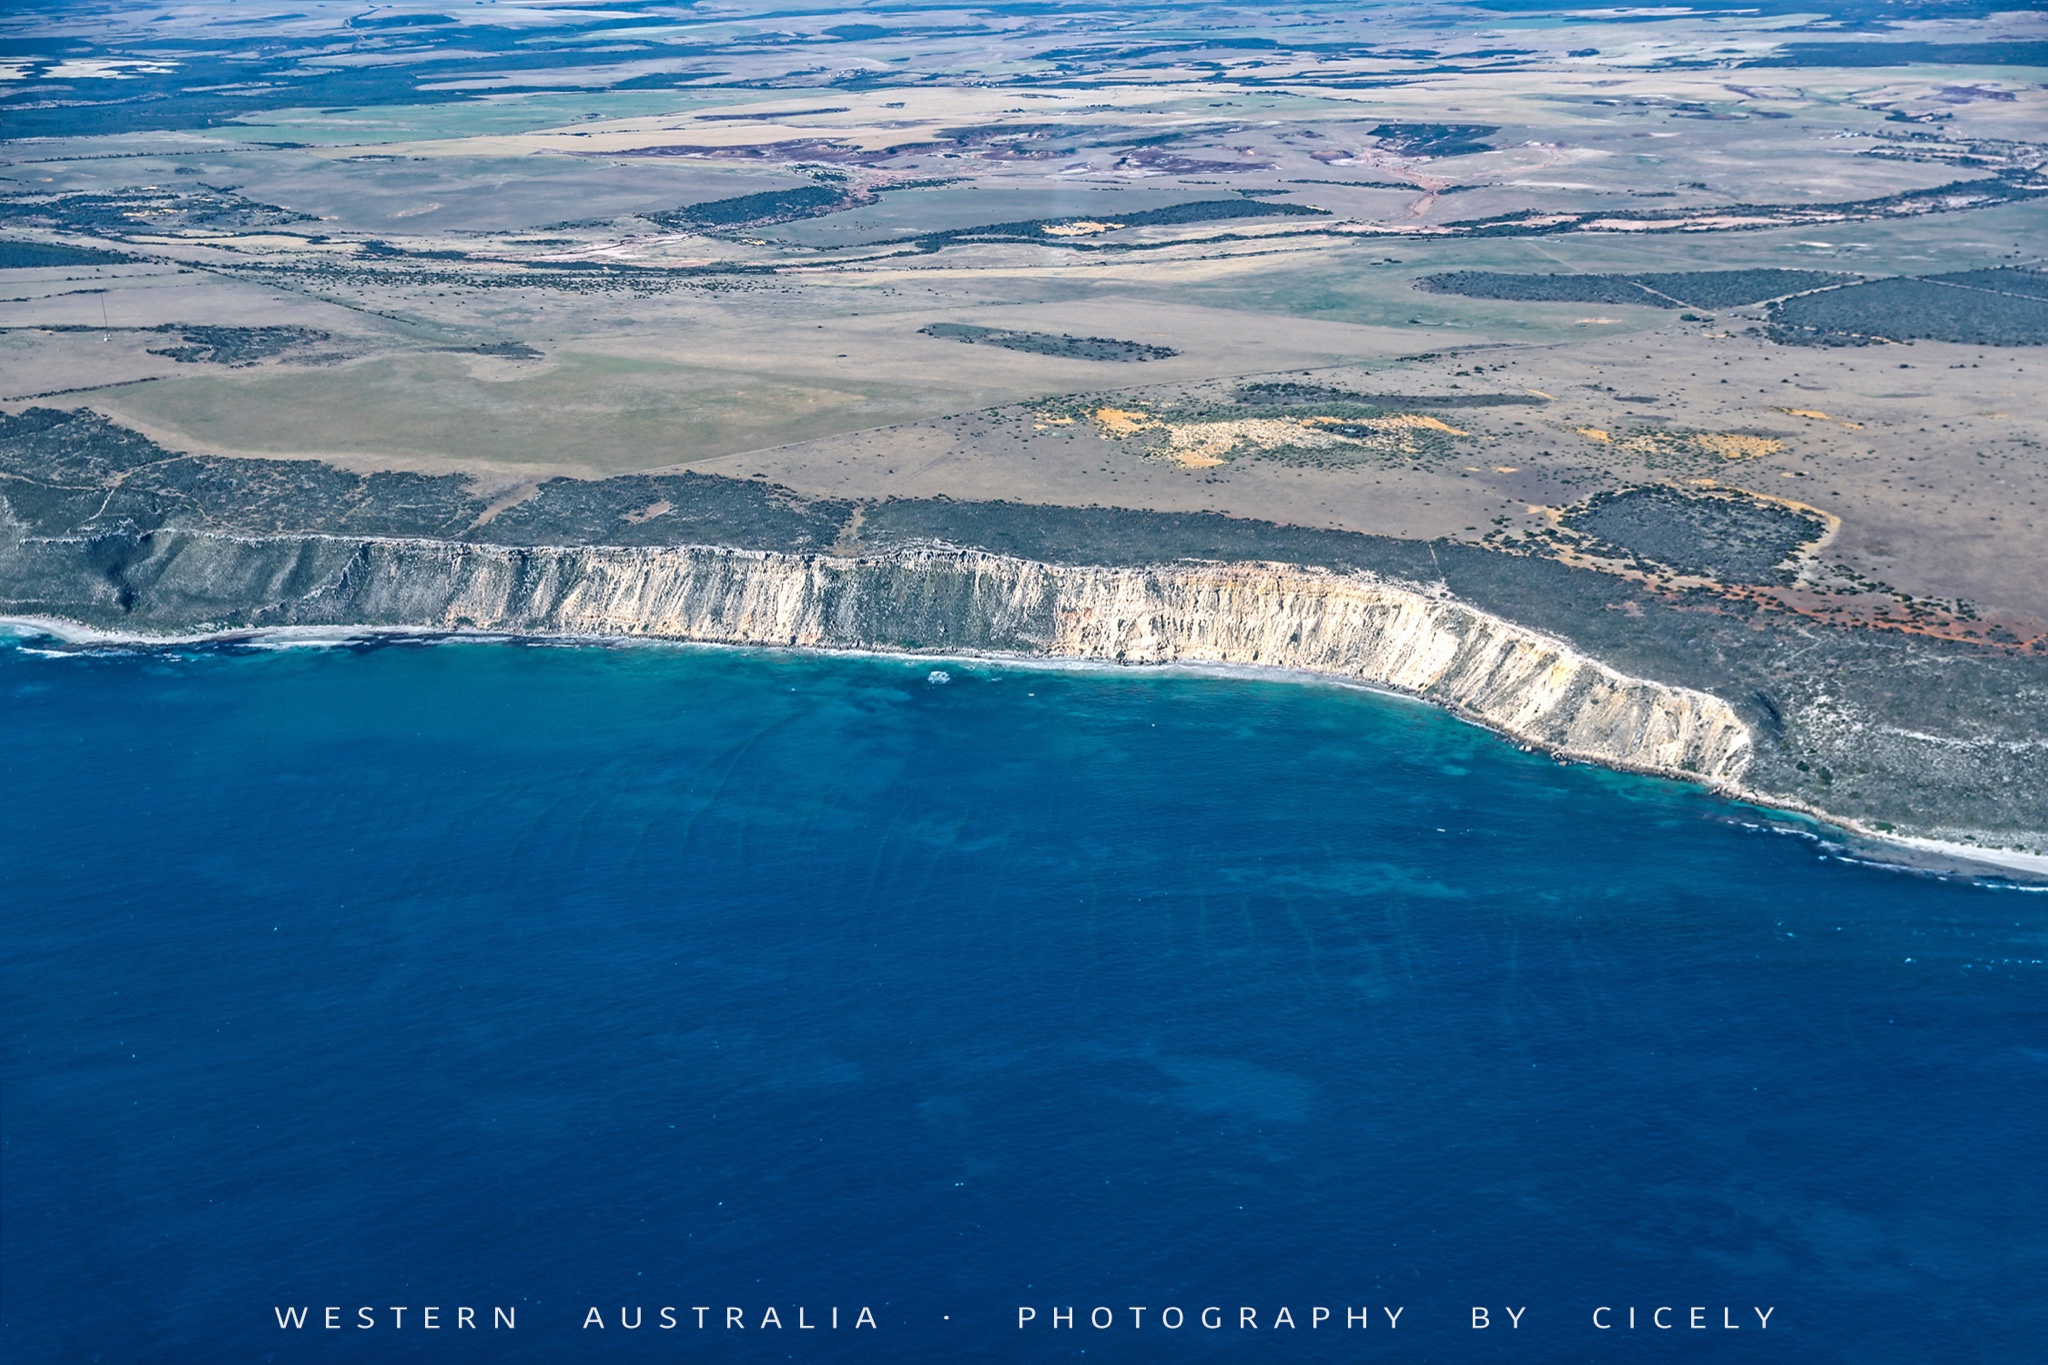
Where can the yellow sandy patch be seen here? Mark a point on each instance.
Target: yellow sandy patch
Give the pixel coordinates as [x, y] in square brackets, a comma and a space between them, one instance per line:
[1727, 444]
[1123, 421]
[1730, 446]
[1816, 415]
[1203, 445]
[1086, 227]
[1199, 444]
[1829, 520]
[1403, 421]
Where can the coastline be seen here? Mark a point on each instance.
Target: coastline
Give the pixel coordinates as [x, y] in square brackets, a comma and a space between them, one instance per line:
[931, 598]
[1935, 855]
[2018, 862]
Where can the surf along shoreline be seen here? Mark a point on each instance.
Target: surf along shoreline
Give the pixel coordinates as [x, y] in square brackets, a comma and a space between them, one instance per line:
[1855, 841]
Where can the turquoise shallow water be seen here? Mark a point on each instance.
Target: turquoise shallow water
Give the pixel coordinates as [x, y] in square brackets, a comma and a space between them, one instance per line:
[569, 978]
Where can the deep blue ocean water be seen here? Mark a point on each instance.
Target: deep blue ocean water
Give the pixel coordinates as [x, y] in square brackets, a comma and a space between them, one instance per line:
[561, 978]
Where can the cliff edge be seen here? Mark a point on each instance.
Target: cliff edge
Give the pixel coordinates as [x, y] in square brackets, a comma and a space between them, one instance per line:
[1529, 686]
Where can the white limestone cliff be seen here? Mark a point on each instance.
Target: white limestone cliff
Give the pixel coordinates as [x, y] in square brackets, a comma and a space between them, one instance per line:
[1524, 684]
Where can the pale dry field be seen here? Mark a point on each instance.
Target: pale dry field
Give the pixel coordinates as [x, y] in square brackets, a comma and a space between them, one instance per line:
[415, 234]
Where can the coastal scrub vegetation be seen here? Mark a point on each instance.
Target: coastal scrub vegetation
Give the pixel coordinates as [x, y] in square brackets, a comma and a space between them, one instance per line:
[31, 255]
[1655, 289]
[1057, 230]
[2003, 307]
[236, 346]
[146, 208]
[1045, 343]
[1289, 394]
[759, 210]
[1435, 139]
[1729, 538]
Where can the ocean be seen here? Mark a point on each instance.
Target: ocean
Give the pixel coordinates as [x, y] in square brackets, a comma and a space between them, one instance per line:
[957, 1003]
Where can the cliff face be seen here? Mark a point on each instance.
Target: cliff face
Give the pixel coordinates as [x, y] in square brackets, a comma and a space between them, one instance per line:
[1900, 734]
[1524, 684]
[1505, 676]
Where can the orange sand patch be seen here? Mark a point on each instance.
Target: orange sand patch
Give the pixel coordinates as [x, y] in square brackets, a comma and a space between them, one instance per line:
[1123, 421]
[1816, 415]
[1415, 422]
[1204, 445]
[1730, 446]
